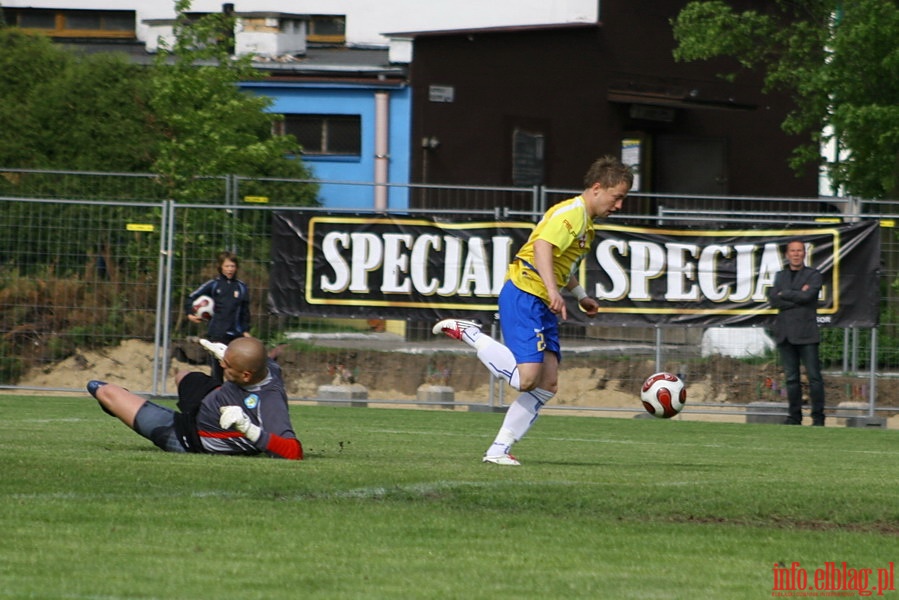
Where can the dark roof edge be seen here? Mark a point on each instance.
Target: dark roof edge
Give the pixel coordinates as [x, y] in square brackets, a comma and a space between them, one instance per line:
[503, 29]
[245, 15]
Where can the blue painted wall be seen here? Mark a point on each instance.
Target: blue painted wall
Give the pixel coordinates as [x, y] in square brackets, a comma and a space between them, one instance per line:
[350, 99]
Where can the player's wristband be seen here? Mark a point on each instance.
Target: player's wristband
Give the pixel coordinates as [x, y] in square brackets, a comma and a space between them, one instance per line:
[579, 292]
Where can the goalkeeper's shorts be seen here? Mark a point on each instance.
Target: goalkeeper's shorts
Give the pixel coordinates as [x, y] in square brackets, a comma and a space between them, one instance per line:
[157, 424]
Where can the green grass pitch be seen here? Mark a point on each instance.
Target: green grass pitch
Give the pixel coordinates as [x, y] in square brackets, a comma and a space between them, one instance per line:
[395, 503]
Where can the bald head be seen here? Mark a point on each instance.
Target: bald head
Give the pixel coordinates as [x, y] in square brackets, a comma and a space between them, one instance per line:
[247, 360]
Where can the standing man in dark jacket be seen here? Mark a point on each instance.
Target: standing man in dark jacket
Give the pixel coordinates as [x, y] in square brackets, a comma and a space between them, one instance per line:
[231, 312]
[795, 294]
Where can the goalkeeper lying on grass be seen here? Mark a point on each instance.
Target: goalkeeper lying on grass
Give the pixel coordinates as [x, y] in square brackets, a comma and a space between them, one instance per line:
[248, 414]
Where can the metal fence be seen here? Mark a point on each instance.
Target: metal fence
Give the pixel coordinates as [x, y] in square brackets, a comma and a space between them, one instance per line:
[93, 286]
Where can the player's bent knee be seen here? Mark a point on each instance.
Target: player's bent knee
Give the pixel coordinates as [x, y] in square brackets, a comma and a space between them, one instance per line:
[527, 384]
[529, 377]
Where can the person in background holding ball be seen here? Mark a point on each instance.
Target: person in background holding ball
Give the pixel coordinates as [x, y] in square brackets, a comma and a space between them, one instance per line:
[795, 295]
[231, 317]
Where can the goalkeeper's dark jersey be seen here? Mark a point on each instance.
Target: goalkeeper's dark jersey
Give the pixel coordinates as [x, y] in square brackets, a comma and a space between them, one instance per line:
[265, 404]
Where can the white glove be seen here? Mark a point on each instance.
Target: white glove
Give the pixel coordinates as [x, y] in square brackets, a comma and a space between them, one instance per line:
[234, 417]
[217, 349]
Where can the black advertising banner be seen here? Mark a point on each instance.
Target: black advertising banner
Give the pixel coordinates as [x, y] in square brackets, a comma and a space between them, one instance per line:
[647, 276]
[380, 267]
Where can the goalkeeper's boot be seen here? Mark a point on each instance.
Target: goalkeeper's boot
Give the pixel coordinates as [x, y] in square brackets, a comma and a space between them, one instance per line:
[92, 386]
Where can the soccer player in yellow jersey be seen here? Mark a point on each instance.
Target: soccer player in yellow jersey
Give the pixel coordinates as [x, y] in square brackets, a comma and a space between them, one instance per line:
[531, 302]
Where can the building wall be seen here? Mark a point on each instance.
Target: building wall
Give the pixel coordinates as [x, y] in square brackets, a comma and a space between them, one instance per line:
[320, 98]
[553, 81]
[557, 81]
[638, 44]
[366, 20]
[539, 81]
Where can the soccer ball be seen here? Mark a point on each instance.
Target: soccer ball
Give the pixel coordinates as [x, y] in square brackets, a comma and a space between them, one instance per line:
[663, 395]
[203, 307]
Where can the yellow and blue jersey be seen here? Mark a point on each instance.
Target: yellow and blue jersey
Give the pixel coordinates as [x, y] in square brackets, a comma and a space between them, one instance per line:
[570, 231]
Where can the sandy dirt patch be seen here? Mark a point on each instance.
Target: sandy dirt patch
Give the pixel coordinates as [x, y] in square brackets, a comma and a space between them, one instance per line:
[394, 377]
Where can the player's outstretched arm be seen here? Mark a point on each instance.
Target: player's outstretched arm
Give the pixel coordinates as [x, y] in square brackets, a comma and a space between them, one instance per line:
[233, 417]
[216, 349]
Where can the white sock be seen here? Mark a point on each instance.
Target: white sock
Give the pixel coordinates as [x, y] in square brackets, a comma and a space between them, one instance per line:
[519, 417]
[502, 444]
[495, 356]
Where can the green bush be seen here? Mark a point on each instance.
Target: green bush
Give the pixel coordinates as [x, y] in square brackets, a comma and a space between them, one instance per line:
[12, 367]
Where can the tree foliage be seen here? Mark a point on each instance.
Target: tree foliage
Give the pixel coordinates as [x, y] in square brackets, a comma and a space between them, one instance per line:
[178, 129]
[184, 118]
[94, 116]
[27, 66]
[210, 126]
[839, 61]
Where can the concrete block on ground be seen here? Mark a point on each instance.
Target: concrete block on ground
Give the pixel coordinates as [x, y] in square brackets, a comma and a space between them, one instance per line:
[849, 409]
[343, 395]
[487, 408]
[442, 395]
[767, 412]
[867, 422]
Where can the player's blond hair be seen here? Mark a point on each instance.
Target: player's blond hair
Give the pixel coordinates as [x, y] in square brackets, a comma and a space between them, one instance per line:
[608, 172]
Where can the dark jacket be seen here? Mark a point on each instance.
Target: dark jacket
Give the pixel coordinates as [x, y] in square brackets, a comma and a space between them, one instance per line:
[797, 321]
[231, 316]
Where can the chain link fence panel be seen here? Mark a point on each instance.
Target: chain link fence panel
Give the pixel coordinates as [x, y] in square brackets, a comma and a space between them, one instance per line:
[85, 279]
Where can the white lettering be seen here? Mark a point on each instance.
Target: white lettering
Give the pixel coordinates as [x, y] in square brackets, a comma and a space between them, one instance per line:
[647, 263]
[680, 270]
[708, 272]
[475, 271]
[421, 251]
[502, 255]
[692, 272]
[617, 274]
[470, 266]
[367, 253]
[770, 263]
[396, 263]
[332, 254]
[451, 264]
[405, 264]
[745, 272]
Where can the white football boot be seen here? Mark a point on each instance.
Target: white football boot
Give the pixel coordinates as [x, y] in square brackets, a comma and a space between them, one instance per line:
[506, 460]
[454, 327]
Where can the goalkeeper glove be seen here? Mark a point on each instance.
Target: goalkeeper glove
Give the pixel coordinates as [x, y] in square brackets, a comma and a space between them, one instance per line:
[217, 349]
[234, 417]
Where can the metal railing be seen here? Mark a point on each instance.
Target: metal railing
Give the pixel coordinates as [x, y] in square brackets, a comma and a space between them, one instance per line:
[114, 262]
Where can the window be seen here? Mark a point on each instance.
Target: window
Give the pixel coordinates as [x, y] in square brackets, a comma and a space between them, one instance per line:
[332, 135]
[74, 23]
[527, 157]
[291, 26]
[327, 29]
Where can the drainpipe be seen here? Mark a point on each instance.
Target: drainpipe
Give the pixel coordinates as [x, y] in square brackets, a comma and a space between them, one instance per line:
[382, 158]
